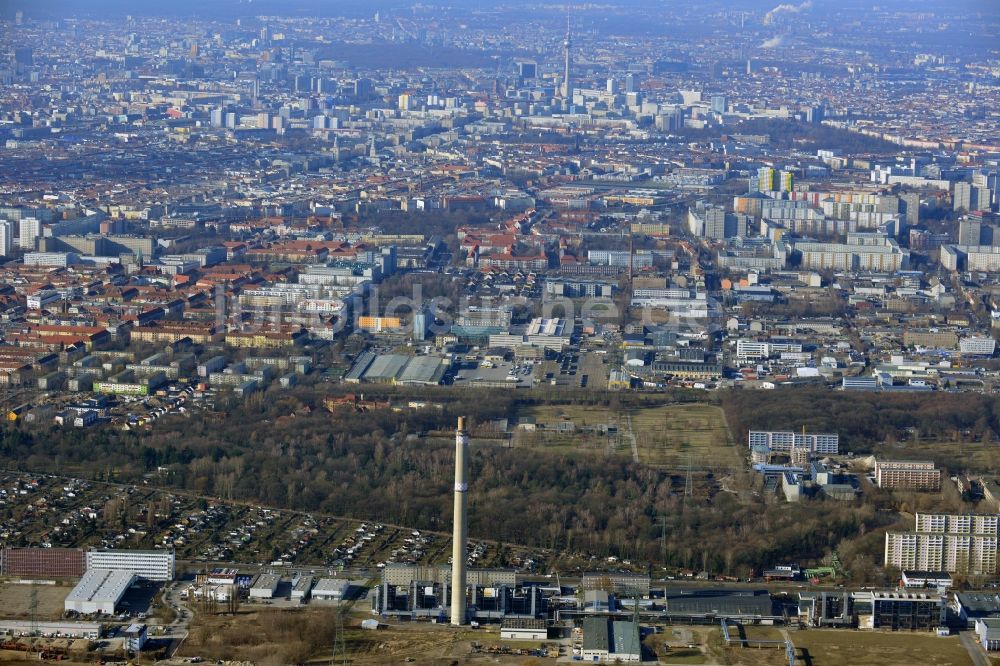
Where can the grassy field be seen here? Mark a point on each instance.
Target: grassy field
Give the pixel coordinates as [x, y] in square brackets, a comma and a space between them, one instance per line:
[674, 434]
[834, 648]
[816, 647]
[667, 436]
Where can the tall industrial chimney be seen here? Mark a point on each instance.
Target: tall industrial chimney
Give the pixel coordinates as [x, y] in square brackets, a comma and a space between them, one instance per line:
[458, 537]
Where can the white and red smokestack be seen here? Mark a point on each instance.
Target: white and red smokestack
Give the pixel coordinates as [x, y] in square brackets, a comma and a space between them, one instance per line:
[458, 537]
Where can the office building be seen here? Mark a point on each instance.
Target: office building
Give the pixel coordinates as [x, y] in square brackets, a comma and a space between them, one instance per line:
[909, 475]
[149, 564]
[977, 346]
[620, 258]
[750, 350]
[633, 82]
[60, 259]
[940, 580]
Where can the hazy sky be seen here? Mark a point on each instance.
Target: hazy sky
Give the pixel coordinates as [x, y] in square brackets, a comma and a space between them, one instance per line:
[234, 8]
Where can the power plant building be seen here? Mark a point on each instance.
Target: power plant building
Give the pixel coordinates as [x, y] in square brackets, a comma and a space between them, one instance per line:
[414, 591]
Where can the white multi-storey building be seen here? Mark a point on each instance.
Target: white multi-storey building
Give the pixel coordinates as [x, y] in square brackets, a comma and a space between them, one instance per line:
[918, 475]
[858, 254]
[946, 542]
[979, 346]
[31, 229]
[971, 257]
[757, 349]
[817, 443]
[962, 523]
[6, 238]
[150, 564]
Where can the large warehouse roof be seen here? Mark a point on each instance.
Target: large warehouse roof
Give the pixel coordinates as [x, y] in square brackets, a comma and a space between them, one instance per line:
[331, 587]
[423, 370]
[101, 585]
[719, 602]
[385, 367]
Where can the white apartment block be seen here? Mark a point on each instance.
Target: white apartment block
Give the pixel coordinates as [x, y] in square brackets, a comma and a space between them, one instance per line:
[964, 523]
[962, 543]
[915, 475]
[6, 238]
[974, 257]
[886, 257]
[150, 564]
[818, 443]
[954, 553]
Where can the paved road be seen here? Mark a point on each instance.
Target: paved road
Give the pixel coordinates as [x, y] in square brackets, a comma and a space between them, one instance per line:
[631, 435]
[180, 626]
[976, 652]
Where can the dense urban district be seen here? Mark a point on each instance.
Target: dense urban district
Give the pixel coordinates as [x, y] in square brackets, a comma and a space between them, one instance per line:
[371, 334]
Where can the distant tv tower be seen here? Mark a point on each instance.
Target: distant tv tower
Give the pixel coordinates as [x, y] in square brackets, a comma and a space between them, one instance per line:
[567, 83]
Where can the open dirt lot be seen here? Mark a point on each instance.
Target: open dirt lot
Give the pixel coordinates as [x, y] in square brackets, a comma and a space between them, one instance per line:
[281, 637]
[586, 435]
[15, 600]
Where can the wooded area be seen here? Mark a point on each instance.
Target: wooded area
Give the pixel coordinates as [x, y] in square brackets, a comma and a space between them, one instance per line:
[285, 450]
